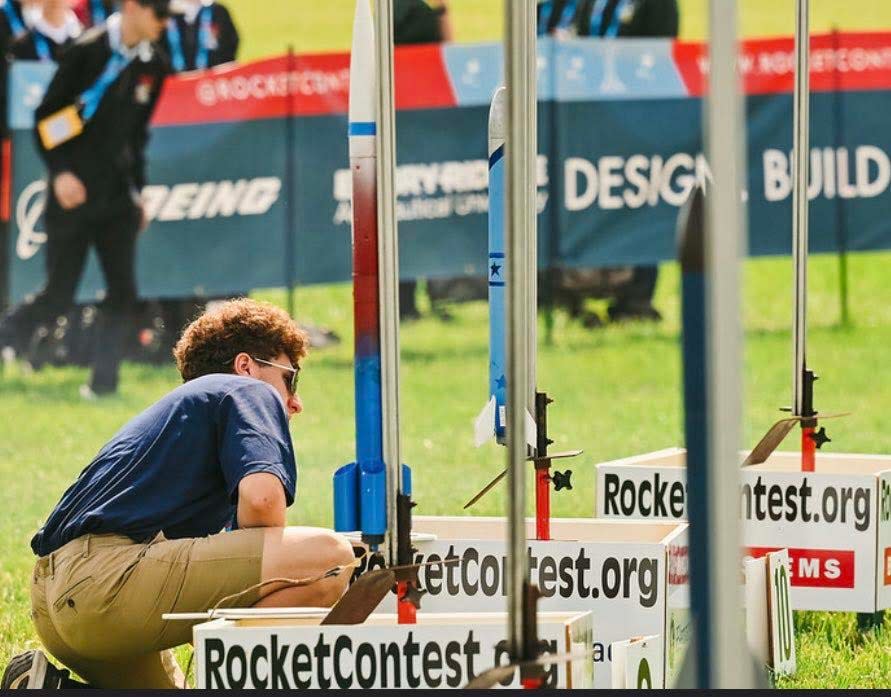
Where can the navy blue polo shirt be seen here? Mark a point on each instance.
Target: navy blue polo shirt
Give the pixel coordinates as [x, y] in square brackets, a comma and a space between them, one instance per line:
[176, 467]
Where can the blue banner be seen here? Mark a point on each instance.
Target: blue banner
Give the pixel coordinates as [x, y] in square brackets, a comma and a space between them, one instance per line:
[620, 148]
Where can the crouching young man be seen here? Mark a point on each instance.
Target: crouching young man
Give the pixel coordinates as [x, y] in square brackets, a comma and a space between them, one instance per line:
[182, 508]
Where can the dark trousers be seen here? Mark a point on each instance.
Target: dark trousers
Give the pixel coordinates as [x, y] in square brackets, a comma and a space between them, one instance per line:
[638, 292]
[407, 305]
[111, 230]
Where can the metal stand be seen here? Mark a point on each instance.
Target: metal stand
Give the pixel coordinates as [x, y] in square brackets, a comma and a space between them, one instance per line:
[802, 378]
[520, 77]
[290, 191]
[543, 477]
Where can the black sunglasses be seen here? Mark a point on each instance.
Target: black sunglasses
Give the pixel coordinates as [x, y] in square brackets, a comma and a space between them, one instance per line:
[290, 383]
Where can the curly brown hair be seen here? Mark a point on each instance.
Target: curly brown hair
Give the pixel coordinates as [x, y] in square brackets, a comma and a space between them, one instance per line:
[211, 342]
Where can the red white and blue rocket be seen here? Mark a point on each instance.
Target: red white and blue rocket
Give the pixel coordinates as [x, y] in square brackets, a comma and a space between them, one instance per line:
[360, 488]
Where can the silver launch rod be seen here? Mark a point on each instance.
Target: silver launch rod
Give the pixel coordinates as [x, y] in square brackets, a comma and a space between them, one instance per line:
[520, 152]
[725, 134]
[801, 150]
[388, 265]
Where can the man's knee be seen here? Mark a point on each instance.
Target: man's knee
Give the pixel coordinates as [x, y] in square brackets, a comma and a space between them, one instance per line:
[333, 551]
[304, 551]
[339, 549]
[308, 553]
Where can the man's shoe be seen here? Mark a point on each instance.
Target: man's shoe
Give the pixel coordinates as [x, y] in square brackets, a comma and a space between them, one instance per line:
[409, 315]
[31, 671]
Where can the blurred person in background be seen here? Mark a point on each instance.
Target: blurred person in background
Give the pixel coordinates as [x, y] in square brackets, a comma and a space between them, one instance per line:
[91, 131]
[53, 28]
[421, 22]
[200, 35]
[418, 22]
[631, 288]
[50, 27]
[557, 17]
[92, 13]
[628, 18]
[15, 21]
[631, 18]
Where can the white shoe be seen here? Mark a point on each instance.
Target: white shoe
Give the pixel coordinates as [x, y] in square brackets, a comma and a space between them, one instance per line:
[87, 394]
[31, 671]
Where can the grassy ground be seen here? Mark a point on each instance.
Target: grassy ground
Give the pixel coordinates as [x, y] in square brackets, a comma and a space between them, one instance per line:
[617, 391]
[617, 388]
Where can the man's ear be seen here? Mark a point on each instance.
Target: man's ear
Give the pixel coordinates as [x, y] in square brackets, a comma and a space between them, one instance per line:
[243, 364]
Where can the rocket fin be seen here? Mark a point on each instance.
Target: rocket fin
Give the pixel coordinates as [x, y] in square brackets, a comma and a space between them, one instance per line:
[531, 432]
[484, 426]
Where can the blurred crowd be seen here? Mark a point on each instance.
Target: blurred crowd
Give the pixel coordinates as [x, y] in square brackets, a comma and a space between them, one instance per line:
[199, 33]
[91, 131]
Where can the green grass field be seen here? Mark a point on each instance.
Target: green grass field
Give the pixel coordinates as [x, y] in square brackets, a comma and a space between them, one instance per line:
[617, 388]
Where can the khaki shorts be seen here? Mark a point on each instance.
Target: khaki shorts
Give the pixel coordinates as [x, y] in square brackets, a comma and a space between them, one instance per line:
[97, 602]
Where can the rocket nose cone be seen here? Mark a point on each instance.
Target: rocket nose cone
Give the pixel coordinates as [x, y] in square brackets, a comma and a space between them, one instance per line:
[497, 113]
[363, 84]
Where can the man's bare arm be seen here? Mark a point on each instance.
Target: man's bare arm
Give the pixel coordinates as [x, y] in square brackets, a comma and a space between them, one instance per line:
[261, 501]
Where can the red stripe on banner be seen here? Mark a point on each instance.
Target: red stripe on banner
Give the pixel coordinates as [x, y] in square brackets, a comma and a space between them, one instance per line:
[888, 566]
[6, 184]
[816, 568]
[315, 84]
[422, 79]
[842, 61]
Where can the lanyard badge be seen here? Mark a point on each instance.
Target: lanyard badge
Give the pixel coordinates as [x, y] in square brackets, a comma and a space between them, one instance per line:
[60, 127]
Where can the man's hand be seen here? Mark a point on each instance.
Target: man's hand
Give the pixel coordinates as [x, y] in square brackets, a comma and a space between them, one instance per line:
[70, 191]
[261, 501]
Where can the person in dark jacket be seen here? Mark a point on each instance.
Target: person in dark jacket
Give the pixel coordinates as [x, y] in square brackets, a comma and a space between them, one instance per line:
[200, 35]
[631, 18]
[91, 130]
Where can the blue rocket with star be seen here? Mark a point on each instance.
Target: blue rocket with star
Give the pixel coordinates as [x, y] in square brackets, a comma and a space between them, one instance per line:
[492, 420]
